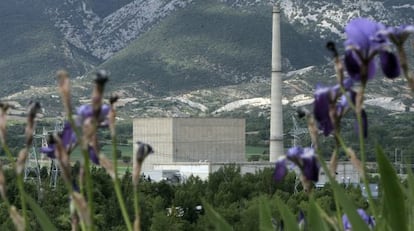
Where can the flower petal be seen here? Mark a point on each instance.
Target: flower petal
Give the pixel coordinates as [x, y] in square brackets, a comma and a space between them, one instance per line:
[346, 223]
[86, 111]
[310, 168]
[49, 151]
[348, 83]
[104, 113]
[280, 169]
[352, 65]
[361, 33]
[321, 109]
[390, 64]
[365, 217]
[294, 152]
[68, 136]
[93, 155]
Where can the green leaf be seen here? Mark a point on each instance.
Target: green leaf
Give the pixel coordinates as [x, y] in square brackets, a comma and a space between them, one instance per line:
[314, 217]
[410, 196]
[289, 220]
[265, 216]
[41, 216]
[392, 193]
[216, 219]
[349, 208]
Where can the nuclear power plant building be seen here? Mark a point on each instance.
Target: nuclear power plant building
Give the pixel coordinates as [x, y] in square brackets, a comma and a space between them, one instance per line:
[183, 140]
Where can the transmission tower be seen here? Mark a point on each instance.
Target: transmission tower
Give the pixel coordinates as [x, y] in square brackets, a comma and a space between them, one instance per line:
[32, 167]
[295, 133]
[54, 169]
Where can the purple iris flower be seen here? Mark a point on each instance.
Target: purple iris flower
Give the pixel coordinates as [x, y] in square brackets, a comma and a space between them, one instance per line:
[389, 64]
[398, 35]
[368, 220]
[323, 100]
[68, 138]
[304, 158]
[49, 150]
[310, 165]
[280, 169]
[93, 155]
[324, 97]
[364, 41]
[86, 111]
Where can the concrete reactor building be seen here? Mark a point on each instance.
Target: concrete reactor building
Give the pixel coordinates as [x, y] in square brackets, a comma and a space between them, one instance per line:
[181, 140]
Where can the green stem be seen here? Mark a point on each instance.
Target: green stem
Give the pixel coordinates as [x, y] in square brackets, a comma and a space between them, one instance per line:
[20, 185]
[136, 203]
[363, 162]
[83, 227]
[404, 66]
[338, 211]
[9, 155]
[117, 185]
[89, 189]
[332, 180]
[370, 199]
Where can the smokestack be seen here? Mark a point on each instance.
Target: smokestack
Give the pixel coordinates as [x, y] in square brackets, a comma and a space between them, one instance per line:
[276, 114]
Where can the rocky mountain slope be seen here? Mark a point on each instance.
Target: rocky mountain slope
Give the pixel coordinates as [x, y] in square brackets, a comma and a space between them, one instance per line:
[163, 53]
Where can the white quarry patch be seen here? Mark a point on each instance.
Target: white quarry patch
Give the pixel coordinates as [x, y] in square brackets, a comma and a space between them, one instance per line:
[31, 92]
[387, 103]
[300, 71]
[255, 102]
[330, 27]
[123, 101]
[190, 103]
[405, 6]
[327, 17]
[301, 100]
[102, 37]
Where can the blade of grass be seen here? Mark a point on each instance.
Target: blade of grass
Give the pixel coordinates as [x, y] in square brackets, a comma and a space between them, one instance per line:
[216, 219]
[314, 217]
[265, 217]
[289, 220]
[41, 216]
[392, 193]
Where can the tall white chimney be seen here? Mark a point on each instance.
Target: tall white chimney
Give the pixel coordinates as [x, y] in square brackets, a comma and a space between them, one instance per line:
[276, 113]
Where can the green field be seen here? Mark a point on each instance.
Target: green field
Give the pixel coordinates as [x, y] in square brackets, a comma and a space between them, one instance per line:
[255, 150]
[106, 150]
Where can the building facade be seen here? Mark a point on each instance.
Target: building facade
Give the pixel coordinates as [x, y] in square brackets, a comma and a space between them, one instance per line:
[191, 139]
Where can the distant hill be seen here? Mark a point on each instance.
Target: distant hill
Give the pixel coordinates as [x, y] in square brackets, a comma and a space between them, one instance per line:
[163, 50]
[210, 44]
[31, 48]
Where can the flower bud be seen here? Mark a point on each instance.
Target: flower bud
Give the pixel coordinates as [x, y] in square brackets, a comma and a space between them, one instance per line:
[107, 165]
[2, 185]
[21, 161]
[82, 207]
[4, 107]
[16, 218]
[64, 89]
[143, 151]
